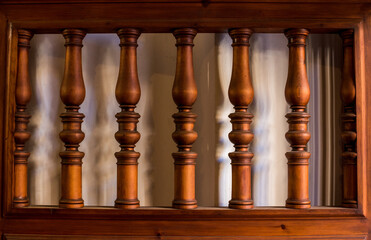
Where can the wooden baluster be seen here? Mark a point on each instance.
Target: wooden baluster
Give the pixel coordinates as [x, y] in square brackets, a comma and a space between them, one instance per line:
[241, 94]
[349, 134]
[72, 95]
[127, 95]
[21, 135]
[184, 95]
[297, 95]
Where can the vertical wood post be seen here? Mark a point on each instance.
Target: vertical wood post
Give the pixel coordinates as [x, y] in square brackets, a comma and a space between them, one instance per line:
[72, 95]
[127, 95]
[21, 135]
[349, 134]
[184, 94]
[297, 95]
[241, 94]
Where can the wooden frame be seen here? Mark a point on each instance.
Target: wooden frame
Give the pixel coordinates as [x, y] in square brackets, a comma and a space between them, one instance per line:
[52, 16]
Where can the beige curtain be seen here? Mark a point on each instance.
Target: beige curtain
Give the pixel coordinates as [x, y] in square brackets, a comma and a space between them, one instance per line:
[156, 64]
[324, 63]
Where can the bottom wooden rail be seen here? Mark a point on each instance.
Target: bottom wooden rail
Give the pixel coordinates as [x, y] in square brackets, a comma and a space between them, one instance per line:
[168, 213]
[332, 227]
[43, 222]
[63, 237]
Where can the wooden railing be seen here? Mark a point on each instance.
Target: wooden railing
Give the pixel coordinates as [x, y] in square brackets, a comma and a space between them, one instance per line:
[21, 135]
[20, 19]
[184, 91]
[127, 95]
[349, 134]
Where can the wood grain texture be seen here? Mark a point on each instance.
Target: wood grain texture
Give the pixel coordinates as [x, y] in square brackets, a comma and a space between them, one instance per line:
[164, 17]
[9, 123]
[241, 94]
[171, 214]
[127, 95]
[63, 237]
[21, 135]
[72, 94]
[297, 95]
[362, 46]
[349, 134]
[184, 95]
[3, 113]
[208, 16]
[163, 228]
[205, 3]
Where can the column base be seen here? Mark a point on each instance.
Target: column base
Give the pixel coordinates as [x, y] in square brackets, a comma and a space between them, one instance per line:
[185, 204]
[241, 204]
[297, 204]
[71, 203]
[349, 204]
[127, 204]
[20, 202]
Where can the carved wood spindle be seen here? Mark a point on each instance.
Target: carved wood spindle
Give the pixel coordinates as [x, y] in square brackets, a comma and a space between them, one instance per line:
[297, 93]
[21, 135]
[72, 95]
[241, 94]
[127, 95]
[349, 134]
[184, 94]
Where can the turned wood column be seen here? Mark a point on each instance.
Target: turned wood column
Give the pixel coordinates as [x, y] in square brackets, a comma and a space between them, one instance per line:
[72, 95]
[184, 95]
[21, 135]
[349, 132]
[241, 94]
[297, 95]
[127, 95]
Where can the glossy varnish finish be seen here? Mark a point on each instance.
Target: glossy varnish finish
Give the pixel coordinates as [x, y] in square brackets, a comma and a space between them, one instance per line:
[349, 134]
[184, 95]
[21, 135]
[207, 16]
[127, 95]
[72, 95]
[241, 94]
[297, 95]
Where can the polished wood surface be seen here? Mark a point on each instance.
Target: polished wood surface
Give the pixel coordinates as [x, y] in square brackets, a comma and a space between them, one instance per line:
[349, 134]
[21, 135]
[206, 16]
[50, 16]
[72, 94]
[100, 237]
[187, 1]
[241, 94]
[225, 222]
[362, 58]
[184, 95]
[196, 228]
[127, 95]
[297, 95]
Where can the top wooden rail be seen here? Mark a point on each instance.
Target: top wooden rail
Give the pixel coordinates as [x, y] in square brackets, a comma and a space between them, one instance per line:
[99, 16]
